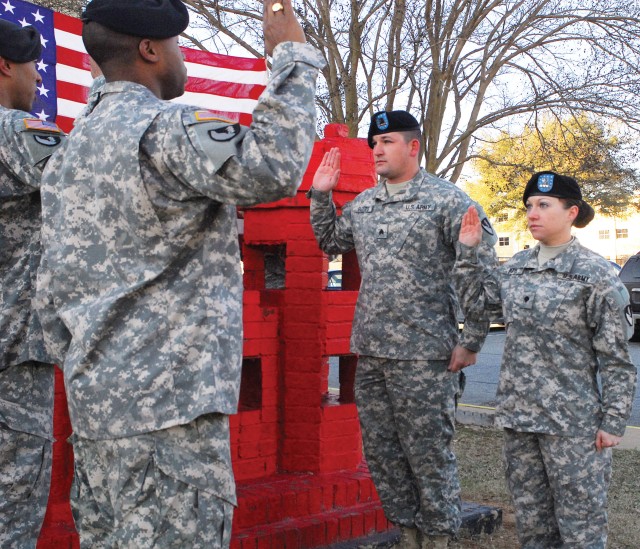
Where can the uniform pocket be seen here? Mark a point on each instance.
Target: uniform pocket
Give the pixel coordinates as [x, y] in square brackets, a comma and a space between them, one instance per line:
[22, 457]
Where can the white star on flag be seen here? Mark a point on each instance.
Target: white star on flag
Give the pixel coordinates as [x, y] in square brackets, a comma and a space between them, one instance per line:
[42, 115]
[8, 7]
[39, 18]
[43, 91]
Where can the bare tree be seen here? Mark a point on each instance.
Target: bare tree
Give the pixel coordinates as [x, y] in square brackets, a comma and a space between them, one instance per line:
[68, 7]
[460, 65]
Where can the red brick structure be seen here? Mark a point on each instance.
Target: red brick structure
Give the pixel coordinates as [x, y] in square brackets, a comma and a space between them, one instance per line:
[296, 447]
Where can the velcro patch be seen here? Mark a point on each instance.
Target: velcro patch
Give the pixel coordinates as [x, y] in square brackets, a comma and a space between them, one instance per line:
[209, 116]
[41, 125]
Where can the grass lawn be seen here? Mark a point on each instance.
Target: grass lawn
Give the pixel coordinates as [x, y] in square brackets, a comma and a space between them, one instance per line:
[482, 479]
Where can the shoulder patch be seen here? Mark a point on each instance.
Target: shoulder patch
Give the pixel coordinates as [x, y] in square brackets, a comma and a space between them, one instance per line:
[214, 136]
[209, 116]
[487, 227]
[628, 315]
[35, 124]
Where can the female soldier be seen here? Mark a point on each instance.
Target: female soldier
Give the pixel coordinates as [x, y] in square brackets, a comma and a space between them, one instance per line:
[565, 323]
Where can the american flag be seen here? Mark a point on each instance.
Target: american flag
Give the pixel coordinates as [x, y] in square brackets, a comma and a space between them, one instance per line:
[229, 86]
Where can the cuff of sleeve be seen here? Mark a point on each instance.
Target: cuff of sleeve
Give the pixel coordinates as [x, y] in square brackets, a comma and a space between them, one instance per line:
[613, 425]
[295, 52]
[467, 253]
[472, 337]
[319, 196]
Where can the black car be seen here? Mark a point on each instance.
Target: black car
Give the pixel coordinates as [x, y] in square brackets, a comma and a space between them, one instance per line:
[630, 277]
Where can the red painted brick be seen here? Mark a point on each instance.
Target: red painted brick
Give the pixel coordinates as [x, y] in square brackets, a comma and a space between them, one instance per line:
[338, 329]
[305, 364]
[311, 281]
[299, 463]
[342, 412]
[340, 428]
[369, 522]
[357, 526]
[302, 248]
[344, 527]
[301, 314]
[306, 264]
[301, 397]
[310, 413]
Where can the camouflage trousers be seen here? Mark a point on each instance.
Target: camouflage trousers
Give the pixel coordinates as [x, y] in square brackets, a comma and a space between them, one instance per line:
[26, 435]
[407, 413]
[172, 488]
[25, 475]
[559, 490]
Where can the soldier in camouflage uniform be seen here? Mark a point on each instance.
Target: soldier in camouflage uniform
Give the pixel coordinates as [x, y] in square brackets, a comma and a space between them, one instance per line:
[142, 270]
[26, 370]
[405, 331]
[567, 320]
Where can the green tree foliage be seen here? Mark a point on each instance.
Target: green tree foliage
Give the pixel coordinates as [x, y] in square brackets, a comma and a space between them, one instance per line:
[580, 147]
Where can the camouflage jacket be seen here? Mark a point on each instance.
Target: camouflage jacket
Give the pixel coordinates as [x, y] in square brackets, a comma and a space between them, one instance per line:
[566, 321]
[25, 146]
[406, 247]
[141, 261]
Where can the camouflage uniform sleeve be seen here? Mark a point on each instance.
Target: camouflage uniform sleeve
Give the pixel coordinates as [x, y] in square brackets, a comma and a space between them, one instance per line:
[333, 233]
[233, 165]
[30, 144]
[607, 309]
[476, 315]
[55, 334]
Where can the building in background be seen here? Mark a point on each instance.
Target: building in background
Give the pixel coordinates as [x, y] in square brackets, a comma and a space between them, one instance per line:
[615, 238]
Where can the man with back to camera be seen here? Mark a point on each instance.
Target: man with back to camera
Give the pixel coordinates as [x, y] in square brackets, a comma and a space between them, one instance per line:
[405, 331]
[26, 369]
[142, 269]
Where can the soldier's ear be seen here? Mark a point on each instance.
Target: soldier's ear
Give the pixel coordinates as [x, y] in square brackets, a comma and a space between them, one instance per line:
[5, 66]
[148, 50]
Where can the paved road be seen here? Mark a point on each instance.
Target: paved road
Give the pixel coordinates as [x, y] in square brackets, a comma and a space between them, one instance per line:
[482, 379]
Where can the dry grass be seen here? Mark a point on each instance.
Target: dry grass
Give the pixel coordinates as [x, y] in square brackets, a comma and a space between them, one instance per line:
[482, 480]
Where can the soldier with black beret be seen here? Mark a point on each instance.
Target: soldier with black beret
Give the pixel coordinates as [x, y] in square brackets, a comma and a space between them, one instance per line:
[141, 269]
[405, 330]
[567, 324]
[26, 369]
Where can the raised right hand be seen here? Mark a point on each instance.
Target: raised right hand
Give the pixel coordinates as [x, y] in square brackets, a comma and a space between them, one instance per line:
[470, 229]
[328, 173]
[280, 26]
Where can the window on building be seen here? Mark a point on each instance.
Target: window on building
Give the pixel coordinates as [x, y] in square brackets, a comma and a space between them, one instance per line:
[502, 218]
[622, 233]
[603, 234]
[503, 241]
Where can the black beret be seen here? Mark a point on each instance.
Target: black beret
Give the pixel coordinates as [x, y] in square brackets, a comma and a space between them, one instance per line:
[391, 121]
[552, 184]
[19, 44]
[146, 18]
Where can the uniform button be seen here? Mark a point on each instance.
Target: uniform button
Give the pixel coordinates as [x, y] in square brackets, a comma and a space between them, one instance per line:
[526, 298]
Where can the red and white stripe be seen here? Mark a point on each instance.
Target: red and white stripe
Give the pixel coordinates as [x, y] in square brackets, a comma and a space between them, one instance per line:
[229, 86]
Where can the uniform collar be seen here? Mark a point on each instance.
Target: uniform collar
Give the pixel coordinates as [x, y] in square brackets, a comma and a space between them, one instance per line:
[562, 263]
[412, 189]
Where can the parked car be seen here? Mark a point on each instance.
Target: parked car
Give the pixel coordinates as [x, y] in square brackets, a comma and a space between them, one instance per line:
[630, 277]
[335, 280]
[615, 267]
